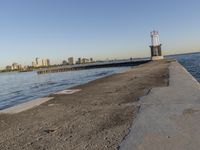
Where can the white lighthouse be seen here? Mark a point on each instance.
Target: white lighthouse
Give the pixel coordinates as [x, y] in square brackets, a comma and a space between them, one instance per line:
[156, 53]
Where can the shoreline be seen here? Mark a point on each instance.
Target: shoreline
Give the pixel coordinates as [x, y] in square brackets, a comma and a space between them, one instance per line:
[40, 100]
[67, 84]
[35, 102]
[25, 106]
[96, 117]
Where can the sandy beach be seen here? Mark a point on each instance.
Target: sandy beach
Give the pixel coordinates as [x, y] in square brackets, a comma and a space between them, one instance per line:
[98, 116]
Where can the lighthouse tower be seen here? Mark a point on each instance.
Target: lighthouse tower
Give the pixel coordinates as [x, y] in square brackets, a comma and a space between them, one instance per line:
[156, 53]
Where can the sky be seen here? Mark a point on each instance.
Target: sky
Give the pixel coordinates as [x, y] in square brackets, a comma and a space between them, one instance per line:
[101, 29]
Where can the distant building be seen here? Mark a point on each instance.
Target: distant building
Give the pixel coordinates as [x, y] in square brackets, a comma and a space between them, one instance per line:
[91, 60]
[85, 60]
[78, 61]
[25, 67]
[16, 66]
[34, 64]
[41, 62]
[45, 62]
[48, 62]
[8, 67]
[20, 67]
[70, 60]
[64, 62]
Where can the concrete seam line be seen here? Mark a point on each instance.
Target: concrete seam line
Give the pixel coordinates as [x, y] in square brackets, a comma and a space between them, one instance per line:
[129, 129]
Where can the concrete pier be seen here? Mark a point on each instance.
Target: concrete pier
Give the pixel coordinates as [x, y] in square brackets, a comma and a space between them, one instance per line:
[92, 66]
[169, 117]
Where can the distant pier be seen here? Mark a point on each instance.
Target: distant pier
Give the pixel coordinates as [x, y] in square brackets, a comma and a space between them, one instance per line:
[93, 66]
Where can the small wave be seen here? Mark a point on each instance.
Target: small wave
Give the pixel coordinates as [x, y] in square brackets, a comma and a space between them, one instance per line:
[16, 92]
[100, 74]
[39, 85]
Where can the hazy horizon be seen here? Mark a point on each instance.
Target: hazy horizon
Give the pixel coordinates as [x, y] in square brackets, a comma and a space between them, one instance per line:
[58, 29]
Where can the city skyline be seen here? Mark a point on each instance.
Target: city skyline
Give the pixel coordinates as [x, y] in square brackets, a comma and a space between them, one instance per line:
[46, 62]
[98, 29]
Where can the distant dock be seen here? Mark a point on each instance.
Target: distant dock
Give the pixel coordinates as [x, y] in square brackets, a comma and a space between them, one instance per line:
[92, 66]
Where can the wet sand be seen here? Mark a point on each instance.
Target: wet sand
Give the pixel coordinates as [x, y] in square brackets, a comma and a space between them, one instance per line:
[96, 117]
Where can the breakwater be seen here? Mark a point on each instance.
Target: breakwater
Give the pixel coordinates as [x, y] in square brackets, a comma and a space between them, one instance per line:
[92, 66]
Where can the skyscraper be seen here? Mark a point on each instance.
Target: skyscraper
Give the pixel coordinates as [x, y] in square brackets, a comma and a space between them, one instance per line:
[71, 60]
[48, 62]
[41, 62]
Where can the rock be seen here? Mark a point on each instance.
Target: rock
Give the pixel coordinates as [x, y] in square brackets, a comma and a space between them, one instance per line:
[48, 130]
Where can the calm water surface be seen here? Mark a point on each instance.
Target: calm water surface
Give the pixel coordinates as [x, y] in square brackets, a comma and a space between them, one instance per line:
[16, 88]
[191, 62]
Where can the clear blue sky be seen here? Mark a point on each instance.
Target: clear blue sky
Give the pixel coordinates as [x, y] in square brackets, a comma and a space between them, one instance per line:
[58, 29]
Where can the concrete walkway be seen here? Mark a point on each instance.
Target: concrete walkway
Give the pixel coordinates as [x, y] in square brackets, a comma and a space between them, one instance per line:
[169, 117]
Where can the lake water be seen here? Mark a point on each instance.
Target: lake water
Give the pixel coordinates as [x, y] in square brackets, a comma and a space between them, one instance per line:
[191, 62]
[16, 88]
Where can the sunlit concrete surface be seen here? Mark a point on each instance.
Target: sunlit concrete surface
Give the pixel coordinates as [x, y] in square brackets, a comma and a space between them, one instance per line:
[169, 117]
